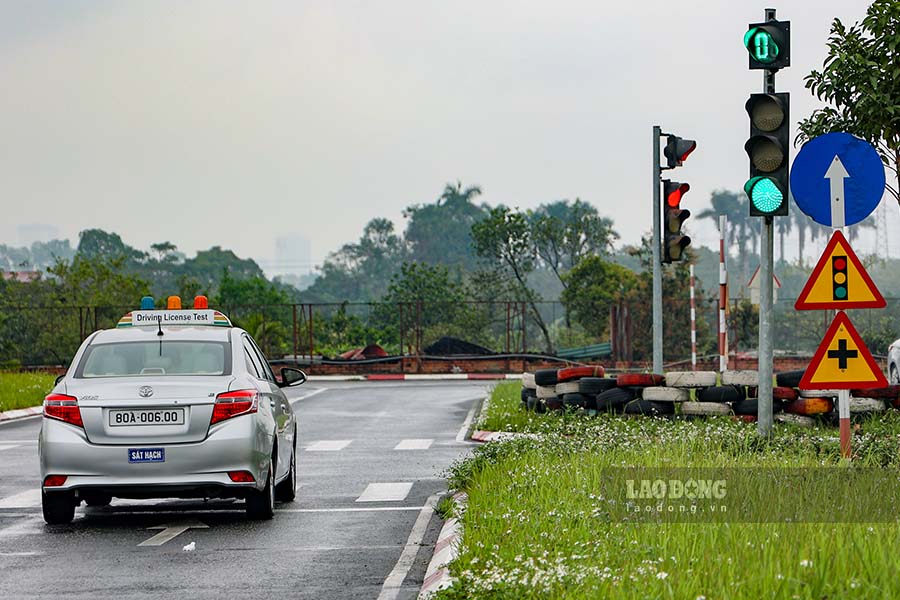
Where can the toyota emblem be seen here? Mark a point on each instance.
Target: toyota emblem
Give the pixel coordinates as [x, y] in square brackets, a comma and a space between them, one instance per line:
[145, 392]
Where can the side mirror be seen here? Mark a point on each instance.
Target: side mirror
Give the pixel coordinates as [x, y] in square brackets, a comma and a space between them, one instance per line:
[291, 377]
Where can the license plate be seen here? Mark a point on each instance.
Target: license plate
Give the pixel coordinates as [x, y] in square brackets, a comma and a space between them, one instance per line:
[163, 416]
[144, 455]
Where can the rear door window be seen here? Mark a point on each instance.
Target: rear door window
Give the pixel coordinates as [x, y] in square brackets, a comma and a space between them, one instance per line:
[253, 360]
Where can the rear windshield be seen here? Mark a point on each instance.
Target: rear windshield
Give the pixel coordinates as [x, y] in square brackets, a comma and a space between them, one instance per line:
[132, 359]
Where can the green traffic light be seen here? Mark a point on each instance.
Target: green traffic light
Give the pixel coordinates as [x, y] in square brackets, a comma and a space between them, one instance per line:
[764, 194]
[761, 45]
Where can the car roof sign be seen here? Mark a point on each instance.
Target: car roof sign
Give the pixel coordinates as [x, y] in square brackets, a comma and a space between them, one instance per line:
[168, 318]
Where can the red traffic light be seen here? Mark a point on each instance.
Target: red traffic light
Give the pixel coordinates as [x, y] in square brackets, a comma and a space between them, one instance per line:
[674, 190]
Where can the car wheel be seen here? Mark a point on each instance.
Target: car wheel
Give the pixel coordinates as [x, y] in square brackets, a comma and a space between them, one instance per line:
[261, 503]
[98, 500]
[286, 491]
[58, 508]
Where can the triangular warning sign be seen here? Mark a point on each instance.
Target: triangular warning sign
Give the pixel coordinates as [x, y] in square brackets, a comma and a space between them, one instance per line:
[842, 361]
[839, 281]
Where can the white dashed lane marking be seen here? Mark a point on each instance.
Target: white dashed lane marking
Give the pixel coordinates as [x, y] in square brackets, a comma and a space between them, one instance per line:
[8, 447]
[385, 492]
[26, 499]
[414, 444]
[328, 445]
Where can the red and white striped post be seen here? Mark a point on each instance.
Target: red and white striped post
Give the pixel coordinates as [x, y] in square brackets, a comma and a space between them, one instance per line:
[723, 296]
[693, 324]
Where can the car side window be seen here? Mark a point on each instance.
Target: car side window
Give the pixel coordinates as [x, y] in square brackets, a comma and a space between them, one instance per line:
[253, 364]
[267, 370]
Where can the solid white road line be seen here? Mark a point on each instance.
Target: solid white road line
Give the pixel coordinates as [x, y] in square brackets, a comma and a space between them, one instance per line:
[328, 445]
[309, 395]
[461, 436]
[385, 492]
[171, 531]
[360, 509]
[414, 444]
[26, 499]
[8, 447]
[391, 587]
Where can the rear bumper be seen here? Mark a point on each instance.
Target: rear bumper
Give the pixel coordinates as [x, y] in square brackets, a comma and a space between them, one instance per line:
[197, 469]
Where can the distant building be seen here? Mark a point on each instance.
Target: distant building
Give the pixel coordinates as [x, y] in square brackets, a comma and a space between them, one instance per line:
[36, 232]
[293, 256]
[20, 276]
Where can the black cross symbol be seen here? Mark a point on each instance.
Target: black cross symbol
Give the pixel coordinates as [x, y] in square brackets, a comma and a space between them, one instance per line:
[842, 354]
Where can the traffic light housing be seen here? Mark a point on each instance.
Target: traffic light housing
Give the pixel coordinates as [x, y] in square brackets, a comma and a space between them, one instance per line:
[769, 45]
[674, 239]
[839, 277]
[677, 150]
[768, 149]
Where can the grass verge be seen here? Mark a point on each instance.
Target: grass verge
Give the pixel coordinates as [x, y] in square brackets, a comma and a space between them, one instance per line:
[22, 390]
[535, 526]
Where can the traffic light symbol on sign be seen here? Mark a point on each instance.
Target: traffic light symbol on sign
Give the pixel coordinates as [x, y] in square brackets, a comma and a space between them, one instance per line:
[674, 240]
[839, 277]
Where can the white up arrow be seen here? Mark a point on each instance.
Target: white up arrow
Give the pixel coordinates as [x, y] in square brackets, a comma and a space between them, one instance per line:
[171, 530]
[835, 175]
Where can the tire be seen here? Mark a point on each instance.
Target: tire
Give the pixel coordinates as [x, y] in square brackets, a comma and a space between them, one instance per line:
[574, 401]
[570, 373]
[867, 405]
[528, 381]
[566, 387]
[691, 379]
[546, 391]
[789, 378]
[819, 393]
[740, 378]
[595, 385]
[614, 399]
[721, 393]
[539, 406]
[747, 407]
[260, 504]
[545, 377]
[649, 408]
[890, 393]
[810, 406]
[554, 403]
[665, 394]
[58, 507]
[639, 380]
[795, 420]
[525, 393]
[97, 499]
[705, 408]
[745, 418]
[286, 491]
[532, 403]
[784, 393]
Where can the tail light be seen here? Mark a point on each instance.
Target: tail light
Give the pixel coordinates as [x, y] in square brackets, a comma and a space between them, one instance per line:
[55, 480]
[63, 408]
[233, 404]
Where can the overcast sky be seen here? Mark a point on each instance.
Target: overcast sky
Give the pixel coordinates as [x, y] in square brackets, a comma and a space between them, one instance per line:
[216, 122]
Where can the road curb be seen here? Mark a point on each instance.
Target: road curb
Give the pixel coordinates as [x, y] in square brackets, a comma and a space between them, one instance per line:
[21, 413]
[446, 549]
[419, 377]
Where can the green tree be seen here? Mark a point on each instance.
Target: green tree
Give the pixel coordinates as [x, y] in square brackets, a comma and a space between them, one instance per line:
[99, 244]
[591, 288]
[860, 81]
[742, 229]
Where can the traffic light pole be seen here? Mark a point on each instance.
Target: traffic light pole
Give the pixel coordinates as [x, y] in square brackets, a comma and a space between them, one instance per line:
[766, 322]
[657, 259]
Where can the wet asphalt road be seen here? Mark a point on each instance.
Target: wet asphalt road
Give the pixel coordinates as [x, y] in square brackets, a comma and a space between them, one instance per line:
[342, 538]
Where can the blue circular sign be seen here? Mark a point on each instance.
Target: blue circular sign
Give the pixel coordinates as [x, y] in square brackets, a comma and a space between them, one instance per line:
[837, 171]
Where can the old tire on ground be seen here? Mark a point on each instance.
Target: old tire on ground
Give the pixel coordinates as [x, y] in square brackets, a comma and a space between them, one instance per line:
[795, 419]
[650, 408]
[809, 406]
[866, 405]
[573, 401]
[260, 504]
[566, 387]
[58, 507]
[705, 408]
[531, 403]
[545, 377]
[890, 393]
[570, 373]
[740, 377]
[789, 378]
[721, 393]
[665, 394]
[747, 407]
[691, 379]
[745, 418]
[554, 403]
[545, 391]
[639, 380]
[784, 393]
[819, 393]
[595, 385]
[528, 381]
[614, 399]
[525, 393]
[539, 406]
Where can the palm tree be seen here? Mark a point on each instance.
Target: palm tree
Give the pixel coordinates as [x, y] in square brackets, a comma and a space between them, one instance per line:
[803, 224]
[783, 226]
[734, 206]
